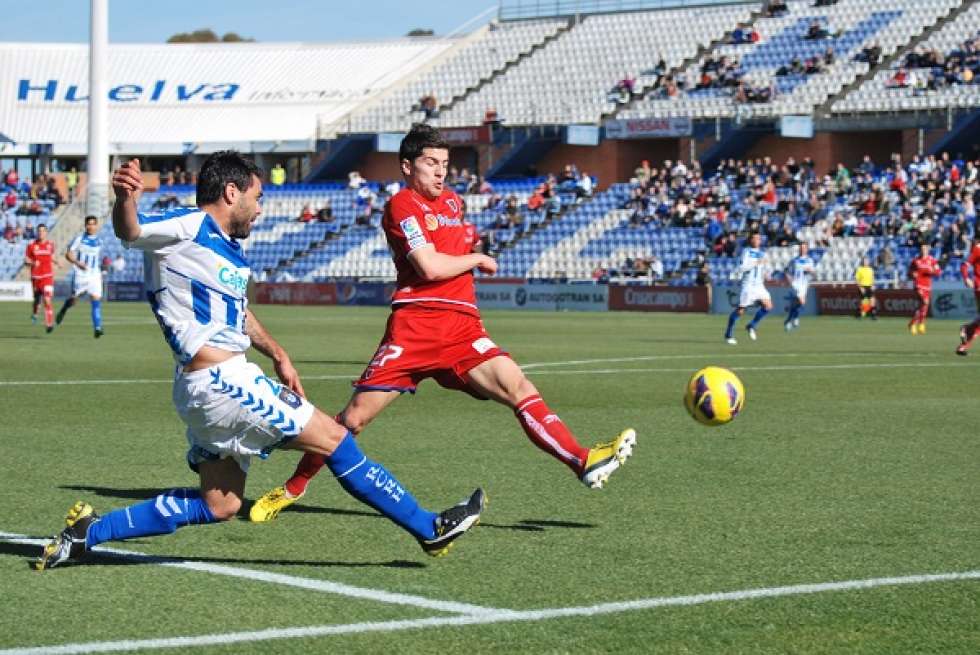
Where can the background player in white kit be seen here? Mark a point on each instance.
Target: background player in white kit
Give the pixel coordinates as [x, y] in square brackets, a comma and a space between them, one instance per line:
[85, 254]
[196, 287]
[752, 272]
[799, 272]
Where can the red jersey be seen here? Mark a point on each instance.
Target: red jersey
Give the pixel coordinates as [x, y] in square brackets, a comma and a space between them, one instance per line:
[469, 235]
[40, 254]
[922, 270]
[412, 221]
[973, 259]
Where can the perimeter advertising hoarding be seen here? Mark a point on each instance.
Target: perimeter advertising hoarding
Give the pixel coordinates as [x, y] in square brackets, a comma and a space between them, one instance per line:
[295, 293]
[648, 128]
[953, 300]
[124, 291]
[542, 296]
[658, 299]
[15, 291]
[844, 301]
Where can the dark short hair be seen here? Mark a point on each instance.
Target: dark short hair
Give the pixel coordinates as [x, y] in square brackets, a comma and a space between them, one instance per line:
[421, 136]
[219, 169]
[40, 225]
[91, 218]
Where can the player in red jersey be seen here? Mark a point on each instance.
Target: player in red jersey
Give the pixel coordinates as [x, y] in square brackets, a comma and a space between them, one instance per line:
[969, 332]
[921, 271]
[434, 330]
[38, 257]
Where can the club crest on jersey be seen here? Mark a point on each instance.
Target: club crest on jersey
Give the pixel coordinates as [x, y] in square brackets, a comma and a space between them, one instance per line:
[431, 222]
[290, 398]
[451, 202]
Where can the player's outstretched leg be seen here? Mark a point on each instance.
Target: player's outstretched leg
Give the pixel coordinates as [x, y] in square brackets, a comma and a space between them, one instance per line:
[48, 313]
[69, 302]
[732, 320]
[97, 317]
[968, 333]
[754, 323]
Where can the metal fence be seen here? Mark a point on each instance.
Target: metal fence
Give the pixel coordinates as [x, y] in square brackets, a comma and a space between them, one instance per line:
[523, 9]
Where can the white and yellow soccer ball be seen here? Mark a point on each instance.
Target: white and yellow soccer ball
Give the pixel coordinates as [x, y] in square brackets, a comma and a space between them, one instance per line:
[714, 396]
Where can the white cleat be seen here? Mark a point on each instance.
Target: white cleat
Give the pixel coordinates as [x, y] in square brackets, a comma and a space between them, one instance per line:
[796, 322]
[751, 331]
[731, 341]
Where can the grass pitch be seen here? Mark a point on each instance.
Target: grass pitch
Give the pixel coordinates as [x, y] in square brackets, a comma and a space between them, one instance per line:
[855, 458]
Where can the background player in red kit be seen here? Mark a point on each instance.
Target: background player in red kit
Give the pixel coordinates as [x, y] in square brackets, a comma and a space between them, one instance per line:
[435, 331]
[38, 257]
[969, 332]
[922, 269]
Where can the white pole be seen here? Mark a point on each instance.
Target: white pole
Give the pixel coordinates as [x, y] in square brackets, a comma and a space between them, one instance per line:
[98, 136]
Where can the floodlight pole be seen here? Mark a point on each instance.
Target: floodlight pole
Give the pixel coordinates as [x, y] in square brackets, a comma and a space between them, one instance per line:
[97, 198]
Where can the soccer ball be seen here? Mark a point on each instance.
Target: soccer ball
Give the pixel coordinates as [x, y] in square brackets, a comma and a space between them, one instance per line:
[714, 396]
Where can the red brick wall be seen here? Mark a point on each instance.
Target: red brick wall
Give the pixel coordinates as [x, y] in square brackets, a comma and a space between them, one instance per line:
[612, 160]
[828, 148]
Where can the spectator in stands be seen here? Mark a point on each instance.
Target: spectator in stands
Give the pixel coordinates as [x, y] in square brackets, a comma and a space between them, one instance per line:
[656, 268]
[824, 3]
[775, 8]
[307, 214]
[584, 186]
[795, 67]
[902, 79]
[354, 180]
[51, 192]
[277, 176]
[743, 33]
[12, 178]
[623, 90]
[10, 200]
[870, 54]
[490, 117]
[429, 106]
[325, 213]
[816, 31]
[71, 182]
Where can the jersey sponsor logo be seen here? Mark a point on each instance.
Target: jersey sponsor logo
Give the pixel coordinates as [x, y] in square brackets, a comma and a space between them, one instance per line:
[413, 233]
[483, 345]
[232, 279]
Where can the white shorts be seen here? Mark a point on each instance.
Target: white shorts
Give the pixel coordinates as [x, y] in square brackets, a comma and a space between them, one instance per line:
[234, 410]
[800, 291]
[89, 283]
[752, 294]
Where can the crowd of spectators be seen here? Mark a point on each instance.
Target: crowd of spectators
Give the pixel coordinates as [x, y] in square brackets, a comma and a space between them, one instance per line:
[926, 200]
[23, 202]
[937, 70]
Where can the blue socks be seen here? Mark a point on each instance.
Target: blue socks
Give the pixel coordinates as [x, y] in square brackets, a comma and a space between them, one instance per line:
[732, 319]
[759, 315]
[97, 314]
[161, 515]
[794, 312]
[373, 485]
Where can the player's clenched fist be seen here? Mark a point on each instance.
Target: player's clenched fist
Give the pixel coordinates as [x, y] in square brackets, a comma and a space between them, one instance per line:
[127, 180]
[487, 265]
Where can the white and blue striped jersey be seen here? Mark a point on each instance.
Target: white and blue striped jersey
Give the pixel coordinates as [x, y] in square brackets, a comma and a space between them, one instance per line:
[196, 281]
[801, 270]
[752, 267]
[88, 250]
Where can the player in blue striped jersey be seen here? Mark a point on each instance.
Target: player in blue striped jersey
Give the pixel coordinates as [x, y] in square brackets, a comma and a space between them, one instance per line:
[196, 286]
[752, 271]
[799, 273]
[85, 254]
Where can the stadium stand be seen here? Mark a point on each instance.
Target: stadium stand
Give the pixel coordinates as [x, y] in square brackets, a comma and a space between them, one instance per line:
[841, 31]
[572, 79]
[931, 86]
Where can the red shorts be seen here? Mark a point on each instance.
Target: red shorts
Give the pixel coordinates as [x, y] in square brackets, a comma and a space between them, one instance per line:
[424, 343]
[924, 294]
[43, 285]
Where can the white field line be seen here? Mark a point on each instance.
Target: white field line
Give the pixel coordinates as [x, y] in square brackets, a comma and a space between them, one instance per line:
[311, 584]
[24, 383]
[501, 616]
[726, 355]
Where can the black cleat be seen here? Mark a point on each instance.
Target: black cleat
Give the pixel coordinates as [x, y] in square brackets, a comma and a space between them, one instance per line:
[453, 523]
[70, 544]
[99, 332]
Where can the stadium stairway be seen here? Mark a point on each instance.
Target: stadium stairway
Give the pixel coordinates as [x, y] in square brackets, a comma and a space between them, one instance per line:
[825, 108]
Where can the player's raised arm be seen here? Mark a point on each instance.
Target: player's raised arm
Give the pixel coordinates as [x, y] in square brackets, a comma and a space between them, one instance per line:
[127, 183]
[265, 344]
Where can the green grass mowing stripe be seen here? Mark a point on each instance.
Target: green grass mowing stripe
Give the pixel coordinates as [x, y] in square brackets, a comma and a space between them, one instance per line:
[275, 578]
[501, 616]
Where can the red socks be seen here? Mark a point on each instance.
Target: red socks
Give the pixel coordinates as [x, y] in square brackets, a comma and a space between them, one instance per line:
[48, 315]
[309, 465]
[546, 430]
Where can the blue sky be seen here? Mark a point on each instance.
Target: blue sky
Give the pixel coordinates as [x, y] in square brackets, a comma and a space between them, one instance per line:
[264, 20]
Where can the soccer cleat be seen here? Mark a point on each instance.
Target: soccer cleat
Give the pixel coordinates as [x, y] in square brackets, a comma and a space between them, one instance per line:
[70, 543]
[796, 322]
[731, 341]
[961, 350]
[453, 523]
[752, 333]
[33, 319]
[605, 458]
[922, 328]
[99, 332]
[59, 317]
[913, 329]
[49, 329]
[269, 505]
[787, 325]
[963, 336]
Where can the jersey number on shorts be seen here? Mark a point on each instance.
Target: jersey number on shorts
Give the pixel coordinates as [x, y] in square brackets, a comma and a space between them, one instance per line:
[385, 353]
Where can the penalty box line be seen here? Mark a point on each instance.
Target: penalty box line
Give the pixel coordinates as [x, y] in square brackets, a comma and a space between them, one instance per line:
[497, 616]
[311, 584]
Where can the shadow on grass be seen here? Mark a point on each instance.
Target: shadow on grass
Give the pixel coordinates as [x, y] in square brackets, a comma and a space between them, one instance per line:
[538, 525]
[31, 553]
